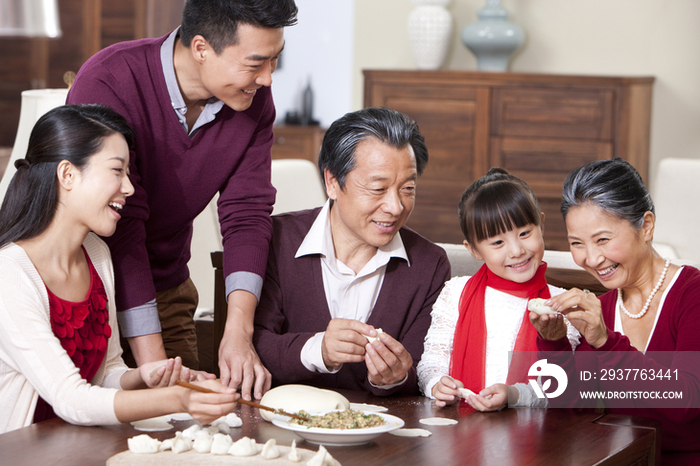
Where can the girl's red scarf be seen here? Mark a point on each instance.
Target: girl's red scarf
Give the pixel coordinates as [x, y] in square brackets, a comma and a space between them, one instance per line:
[468, 362]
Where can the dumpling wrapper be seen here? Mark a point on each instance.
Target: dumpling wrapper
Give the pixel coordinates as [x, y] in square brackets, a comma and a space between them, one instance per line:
[322, 458]
[465, 392]
[294, 455]
[153, 424]
[166, 444]
[538, 305]
[293, 398]
[372, 339]
[202, 442]
[411, 433]
[143, 444]
[437, 421]
[220, 444]
[245, 447]
[270, 450]
[181, 443]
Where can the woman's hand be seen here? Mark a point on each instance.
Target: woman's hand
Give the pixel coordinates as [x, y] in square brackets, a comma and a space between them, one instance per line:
[163, 373]
[490, 398]
[207, 407]
[584, 311]
[446, 391]
[549, 326]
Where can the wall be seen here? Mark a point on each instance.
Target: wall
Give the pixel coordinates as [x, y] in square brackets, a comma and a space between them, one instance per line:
[598, 37]
[318, 48]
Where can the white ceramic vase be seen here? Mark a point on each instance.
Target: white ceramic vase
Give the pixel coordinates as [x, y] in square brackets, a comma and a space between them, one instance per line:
[430, 31]
[493, 39]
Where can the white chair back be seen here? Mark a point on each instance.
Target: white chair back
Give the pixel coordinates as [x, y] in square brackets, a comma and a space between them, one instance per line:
[677, 203]
[298, 184]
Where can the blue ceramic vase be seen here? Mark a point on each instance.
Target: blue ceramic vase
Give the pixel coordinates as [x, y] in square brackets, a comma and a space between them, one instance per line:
[493, 39]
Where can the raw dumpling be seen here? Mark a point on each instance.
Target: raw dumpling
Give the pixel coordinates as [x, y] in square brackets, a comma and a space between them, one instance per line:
[372, 339]
[465, 392]
[191, 432]
[293, 398]
[231, 420]
[538, 305]
[202, 442]
[244, 447]
[322, 458]
[143, 444]
[220, 444]
[270, 450]
[181, 443]
[166, 444]
[293, 453]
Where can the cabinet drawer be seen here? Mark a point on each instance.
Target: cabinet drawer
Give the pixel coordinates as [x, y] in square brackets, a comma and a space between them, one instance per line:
[577, 112]
[297, 142]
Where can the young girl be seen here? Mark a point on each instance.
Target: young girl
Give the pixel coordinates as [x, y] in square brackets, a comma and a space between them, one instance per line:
[477, 320]
[59, 341]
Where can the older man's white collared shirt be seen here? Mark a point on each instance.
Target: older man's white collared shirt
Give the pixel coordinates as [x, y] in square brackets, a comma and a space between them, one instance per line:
[349, 295]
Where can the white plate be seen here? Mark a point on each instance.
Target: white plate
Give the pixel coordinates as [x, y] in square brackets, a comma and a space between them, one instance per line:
[340, 437]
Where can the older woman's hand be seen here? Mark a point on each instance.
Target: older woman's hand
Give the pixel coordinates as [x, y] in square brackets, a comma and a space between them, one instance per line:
[549, 326]
[583, 309]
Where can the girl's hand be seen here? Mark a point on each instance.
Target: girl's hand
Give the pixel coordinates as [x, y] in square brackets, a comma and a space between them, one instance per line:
[583, 309]
[164, 373]
[207, 407]
[490, 398]
[446, 391]
[549, 326]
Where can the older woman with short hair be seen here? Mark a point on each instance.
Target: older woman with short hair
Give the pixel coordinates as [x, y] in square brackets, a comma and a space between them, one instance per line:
[652, 306]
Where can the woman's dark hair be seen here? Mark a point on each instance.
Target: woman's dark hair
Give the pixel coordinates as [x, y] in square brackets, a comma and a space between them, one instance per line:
[497, 203]
[218, 20]
[612, 185]
[387, 126]
[70, 132]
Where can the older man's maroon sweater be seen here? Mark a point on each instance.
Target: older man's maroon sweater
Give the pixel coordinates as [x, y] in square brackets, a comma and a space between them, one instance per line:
[293, 306]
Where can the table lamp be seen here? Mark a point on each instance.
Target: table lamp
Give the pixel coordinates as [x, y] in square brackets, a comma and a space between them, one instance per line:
[35, 103]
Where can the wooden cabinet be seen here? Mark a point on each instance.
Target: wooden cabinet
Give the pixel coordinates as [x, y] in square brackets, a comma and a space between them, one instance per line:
[538, 127]
[88, 26]
[297, 142]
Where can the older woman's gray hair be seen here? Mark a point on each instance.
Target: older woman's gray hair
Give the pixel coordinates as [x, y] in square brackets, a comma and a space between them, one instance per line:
[387, 126]
[612, 185]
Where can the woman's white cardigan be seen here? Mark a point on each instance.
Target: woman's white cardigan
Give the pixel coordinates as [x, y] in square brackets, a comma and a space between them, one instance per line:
[32, 361]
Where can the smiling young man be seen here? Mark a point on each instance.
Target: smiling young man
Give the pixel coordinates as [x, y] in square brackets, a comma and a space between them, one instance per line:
[200, 103]
[338, 273]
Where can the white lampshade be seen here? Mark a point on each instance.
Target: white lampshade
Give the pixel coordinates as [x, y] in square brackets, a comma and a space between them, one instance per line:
[35, 103]
[31, 18]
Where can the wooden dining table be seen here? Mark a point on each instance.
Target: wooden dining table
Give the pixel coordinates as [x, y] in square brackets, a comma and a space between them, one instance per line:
[515, 436]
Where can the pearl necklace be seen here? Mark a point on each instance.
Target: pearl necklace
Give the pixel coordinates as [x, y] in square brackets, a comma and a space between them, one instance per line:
[651, 296]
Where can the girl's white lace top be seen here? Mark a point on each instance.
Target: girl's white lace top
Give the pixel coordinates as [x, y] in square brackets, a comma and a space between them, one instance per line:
[504, 314]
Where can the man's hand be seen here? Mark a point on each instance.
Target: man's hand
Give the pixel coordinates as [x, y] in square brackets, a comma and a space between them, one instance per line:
[344, 341]
[387, 361]
[239, 364]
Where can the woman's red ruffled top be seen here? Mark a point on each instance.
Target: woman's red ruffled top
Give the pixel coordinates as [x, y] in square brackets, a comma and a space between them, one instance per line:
[83, 330]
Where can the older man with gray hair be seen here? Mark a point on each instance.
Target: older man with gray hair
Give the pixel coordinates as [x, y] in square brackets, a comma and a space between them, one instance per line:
[337, 275]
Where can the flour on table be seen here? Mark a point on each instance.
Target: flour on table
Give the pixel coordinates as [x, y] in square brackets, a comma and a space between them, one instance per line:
[411, 433]
[438, 421]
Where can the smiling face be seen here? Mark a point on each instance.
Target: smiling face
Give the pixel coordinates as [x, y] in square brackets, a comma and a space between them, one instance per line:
[234, 76]
[514, 255]
[608, 247]
[377, 198]
[100, 189]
